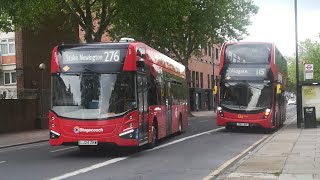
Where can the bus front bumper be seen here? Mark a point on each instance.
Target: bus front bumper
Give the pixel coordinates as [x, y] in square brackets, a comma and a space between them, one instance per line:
[73, 140]
[264, 123]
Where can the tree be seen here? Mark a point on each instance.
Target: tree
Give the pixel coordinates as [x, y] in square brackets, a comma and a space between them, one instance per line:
[182, 26]
[291, 82]
[15, 14]
[93, 16]
[309, 53]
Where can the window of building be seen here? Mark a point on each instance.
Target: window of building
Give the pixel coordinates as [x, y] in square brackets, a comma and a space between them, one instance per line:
[10, 78]
[208, 81]
[7, 46]
[193, 79]
[212, 81]
[210, 49]
[212, 55]
[201, 80]
[197, 79]
[217, 53]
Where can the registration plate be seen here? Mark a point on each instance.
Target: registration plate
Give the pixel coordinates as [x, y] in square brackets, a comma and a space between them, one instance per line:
[242, 124]
[88, 142]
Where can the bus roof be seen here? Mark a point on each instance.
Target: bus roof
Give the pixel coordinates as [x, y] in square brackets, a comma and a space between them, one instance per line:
[249, 42]
[153, 55]
[99, 45]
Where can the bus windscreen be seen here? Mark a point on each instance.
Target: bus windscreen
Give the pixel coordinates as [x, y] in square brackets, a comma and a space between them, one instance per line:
[245, 95]
[90, 95]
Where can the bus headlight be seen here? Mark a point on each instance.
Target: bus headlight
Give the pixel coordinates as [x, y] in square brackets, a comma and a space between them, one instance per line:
[266, 113]
[220, 111]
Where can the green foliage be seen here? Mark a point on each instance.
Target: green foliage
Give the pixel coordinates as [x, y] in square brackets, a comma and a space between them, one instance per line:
[309, 52]
[93, 16]
[182, 25]
[291, 82]
[15, 14]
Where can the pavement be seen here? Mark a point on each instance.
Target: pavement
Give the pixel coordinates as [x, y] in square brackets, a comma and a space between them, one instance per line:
[23, 138]
[289, 154]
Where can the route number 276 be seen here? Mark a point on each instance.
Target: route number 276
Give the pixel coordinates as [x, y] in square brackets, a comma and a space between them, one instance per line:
[112, 56]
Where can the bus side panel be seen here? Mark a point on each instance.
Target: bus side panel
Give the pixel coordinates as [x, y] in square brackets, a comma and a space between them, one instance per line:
[176, 111]
[158, 112]
[175, 118]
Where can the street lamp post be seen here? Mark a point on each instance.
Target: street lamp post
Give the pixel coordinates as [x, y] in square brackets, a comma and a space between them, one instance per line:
[42, 67]
[297, 69]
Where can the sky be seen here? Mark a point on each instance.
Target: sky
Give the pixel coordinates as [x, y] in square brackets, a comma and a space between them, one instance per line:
[275, 22]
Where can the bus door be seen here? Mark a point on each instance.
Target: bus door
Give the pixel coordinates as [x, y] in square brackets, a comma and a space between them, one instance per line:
[142, 87]
[168, 101]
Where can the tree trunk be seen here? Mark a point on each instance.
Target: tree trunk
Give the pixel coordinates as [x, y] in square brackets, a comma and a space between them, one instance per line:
[188, 92]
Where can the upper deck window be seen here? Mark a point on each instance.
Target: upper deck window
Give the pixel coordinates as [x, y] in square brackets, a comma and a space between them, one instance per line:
[247, 53]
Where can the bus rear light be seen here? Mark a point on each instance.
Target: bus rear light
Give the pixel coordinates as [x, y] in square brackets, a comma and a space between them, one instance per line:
[52, 125]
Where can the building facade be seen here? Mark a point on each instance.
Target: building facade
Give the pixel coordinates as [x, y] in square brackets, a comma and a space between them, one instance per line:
[8, 80]
[203, 76]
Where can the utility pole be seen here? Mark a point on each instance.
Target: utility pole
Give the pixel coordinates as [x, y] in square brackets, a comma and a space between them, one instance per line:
[298, 95]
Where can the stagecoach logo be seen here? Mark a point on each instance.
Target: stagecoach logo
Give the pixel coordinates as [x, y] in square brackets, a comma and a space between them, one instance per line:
[78, 130]
[241, 116]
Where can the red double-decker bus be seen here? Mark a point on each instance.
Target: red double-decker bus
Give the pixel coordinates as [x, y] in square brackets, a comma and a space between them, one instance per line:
[252, 85]
[125, 93]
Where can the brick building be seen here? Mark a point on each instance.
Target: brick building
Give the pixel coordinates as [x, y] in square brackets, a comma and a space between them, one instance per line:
[8, 88]
[203, 73]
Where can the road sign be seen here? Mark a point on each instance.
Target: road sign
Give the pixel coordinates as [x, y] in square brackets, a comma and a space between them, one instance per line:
[308, 75]
[308, 71]
[308, 67]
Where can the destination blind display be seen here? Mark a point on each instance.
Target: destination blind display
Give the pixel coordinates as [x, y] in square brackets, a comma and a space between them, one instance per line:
[247, 72]
[92, 56]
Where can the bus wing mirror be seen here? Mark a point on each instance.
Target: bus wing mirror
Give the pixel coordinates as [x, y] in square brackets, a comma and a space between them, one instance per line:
[278, 88]
[215, 90]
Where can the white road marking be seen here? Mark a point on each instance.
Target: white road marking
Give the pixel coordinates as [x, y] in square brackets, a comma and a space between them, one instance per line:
[185, 138]
[112, 161]
[2, 162]
[63, 149]
[90, 168]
